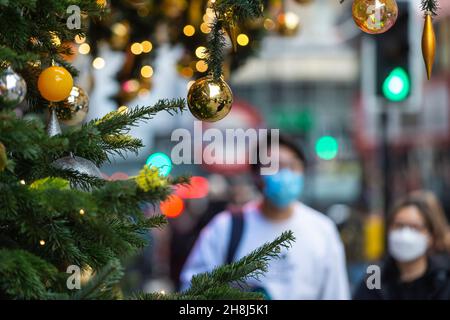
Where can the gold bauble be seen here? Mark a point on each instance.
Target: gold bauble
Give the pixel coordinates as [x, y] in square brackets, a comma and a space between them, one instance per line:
[209, 99]
[75, 108]
[375, 16]
[428, 44]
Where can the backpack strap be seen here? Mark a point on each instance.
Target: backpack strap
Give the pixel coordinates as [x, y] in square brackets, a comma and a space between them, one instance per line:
[237, 228]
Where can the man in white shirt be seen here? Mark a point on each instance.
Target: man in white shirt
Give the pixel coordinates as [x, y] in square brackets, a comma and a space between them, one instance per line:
[313, 268]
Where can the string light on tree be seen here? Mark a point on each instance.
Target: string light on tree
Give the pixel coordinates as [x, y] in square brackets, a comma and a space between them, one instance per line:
[42, 242]
[375, 16]
[201, 66]
[147, 71]
[189, 30]
[136, 48]
[84, 48]
[147, 46]
[242, 39]
[98, 63]
[79, 39]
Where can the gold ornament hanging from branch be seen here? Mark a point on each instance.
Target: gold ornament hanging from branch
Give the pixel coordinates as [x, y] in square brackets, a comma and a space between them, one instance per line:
[429, 8]
[428, 44]
[209, 99]
[231, 28]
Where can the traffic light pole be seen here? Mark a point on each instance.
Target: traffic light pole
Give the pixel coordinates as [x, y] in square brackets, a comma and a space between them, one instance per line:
[385, 159]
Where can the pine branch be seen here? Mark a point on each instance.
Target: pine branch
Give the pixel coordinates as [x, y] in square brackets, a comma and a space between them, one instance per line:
[250, 266]
[228, 12]
[215, 47]
[24, 275]
[430, 6]
[119, 122]
[101, 286]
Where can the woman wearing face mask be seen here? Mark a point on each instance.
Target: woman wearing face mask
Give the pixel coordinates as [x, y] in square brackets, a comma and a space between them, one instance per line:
[417, 266]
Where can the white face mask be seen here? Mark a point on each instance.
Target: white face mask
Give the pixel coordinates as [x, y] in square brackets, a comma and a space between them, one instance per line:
[407, 244]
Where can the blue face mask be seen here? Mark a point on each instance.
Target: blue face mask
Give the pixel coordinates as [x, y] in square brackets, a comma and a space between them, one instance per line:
[283, 188]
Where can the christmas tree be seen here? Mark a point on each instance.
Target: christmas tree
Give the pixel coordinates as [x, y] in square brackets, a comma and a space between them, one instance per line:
[56, 210]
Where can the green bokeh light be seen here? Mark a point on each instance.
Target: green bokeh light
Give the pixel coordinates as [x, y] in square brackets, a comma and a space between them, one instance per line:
[397, 85]
[161, 161]
[327, 148]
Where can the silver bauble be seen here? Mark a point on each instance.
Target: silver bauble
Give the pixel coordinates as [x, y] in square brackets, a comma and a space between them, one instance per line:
[13, 88]
[74, 109]
[79, 164]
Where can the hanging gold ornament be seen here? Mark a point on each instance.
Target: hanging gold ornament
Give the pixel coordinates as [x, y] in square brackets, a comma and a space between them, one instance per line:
[3, 158]
[74, 109]
[375, 16]
[209, 99]
[428, 44]
[231, 28]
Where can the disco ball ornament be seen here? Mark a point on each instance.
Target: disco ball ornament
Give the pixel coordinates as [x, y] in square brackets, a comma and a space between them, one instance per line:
[209, 99]
[375, 16]
[75, 108]
[13, 88]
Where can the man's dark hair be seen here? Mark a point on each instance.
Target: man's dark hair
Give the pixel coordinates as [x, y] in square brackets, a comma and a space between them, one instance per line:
[283, 141]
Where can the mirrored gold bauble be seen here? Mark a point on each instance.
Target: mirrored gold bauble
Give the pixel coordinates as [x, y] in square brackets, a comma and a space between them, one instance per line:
[375, 16]
[209, 99]
[74, 109]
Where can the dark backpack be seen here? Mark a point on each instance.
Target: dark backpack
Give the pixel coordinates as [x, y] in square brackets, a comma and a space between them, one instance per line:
[236, 231]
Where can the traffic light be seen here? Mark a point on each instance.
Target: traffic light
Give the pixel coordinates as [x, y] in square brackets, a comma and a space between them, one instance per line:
[327, 147]
[393, 58]
[397, 85]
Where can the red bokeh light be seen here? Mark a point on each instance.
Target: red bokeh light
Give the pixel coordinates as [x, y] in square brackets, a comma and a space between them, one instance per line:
[198, 188]
[172, 207]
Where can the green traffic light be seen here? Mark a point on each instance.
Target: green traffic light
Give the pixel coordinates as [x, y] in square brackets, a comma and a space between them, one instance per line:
[397, 85]
[327, 148]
